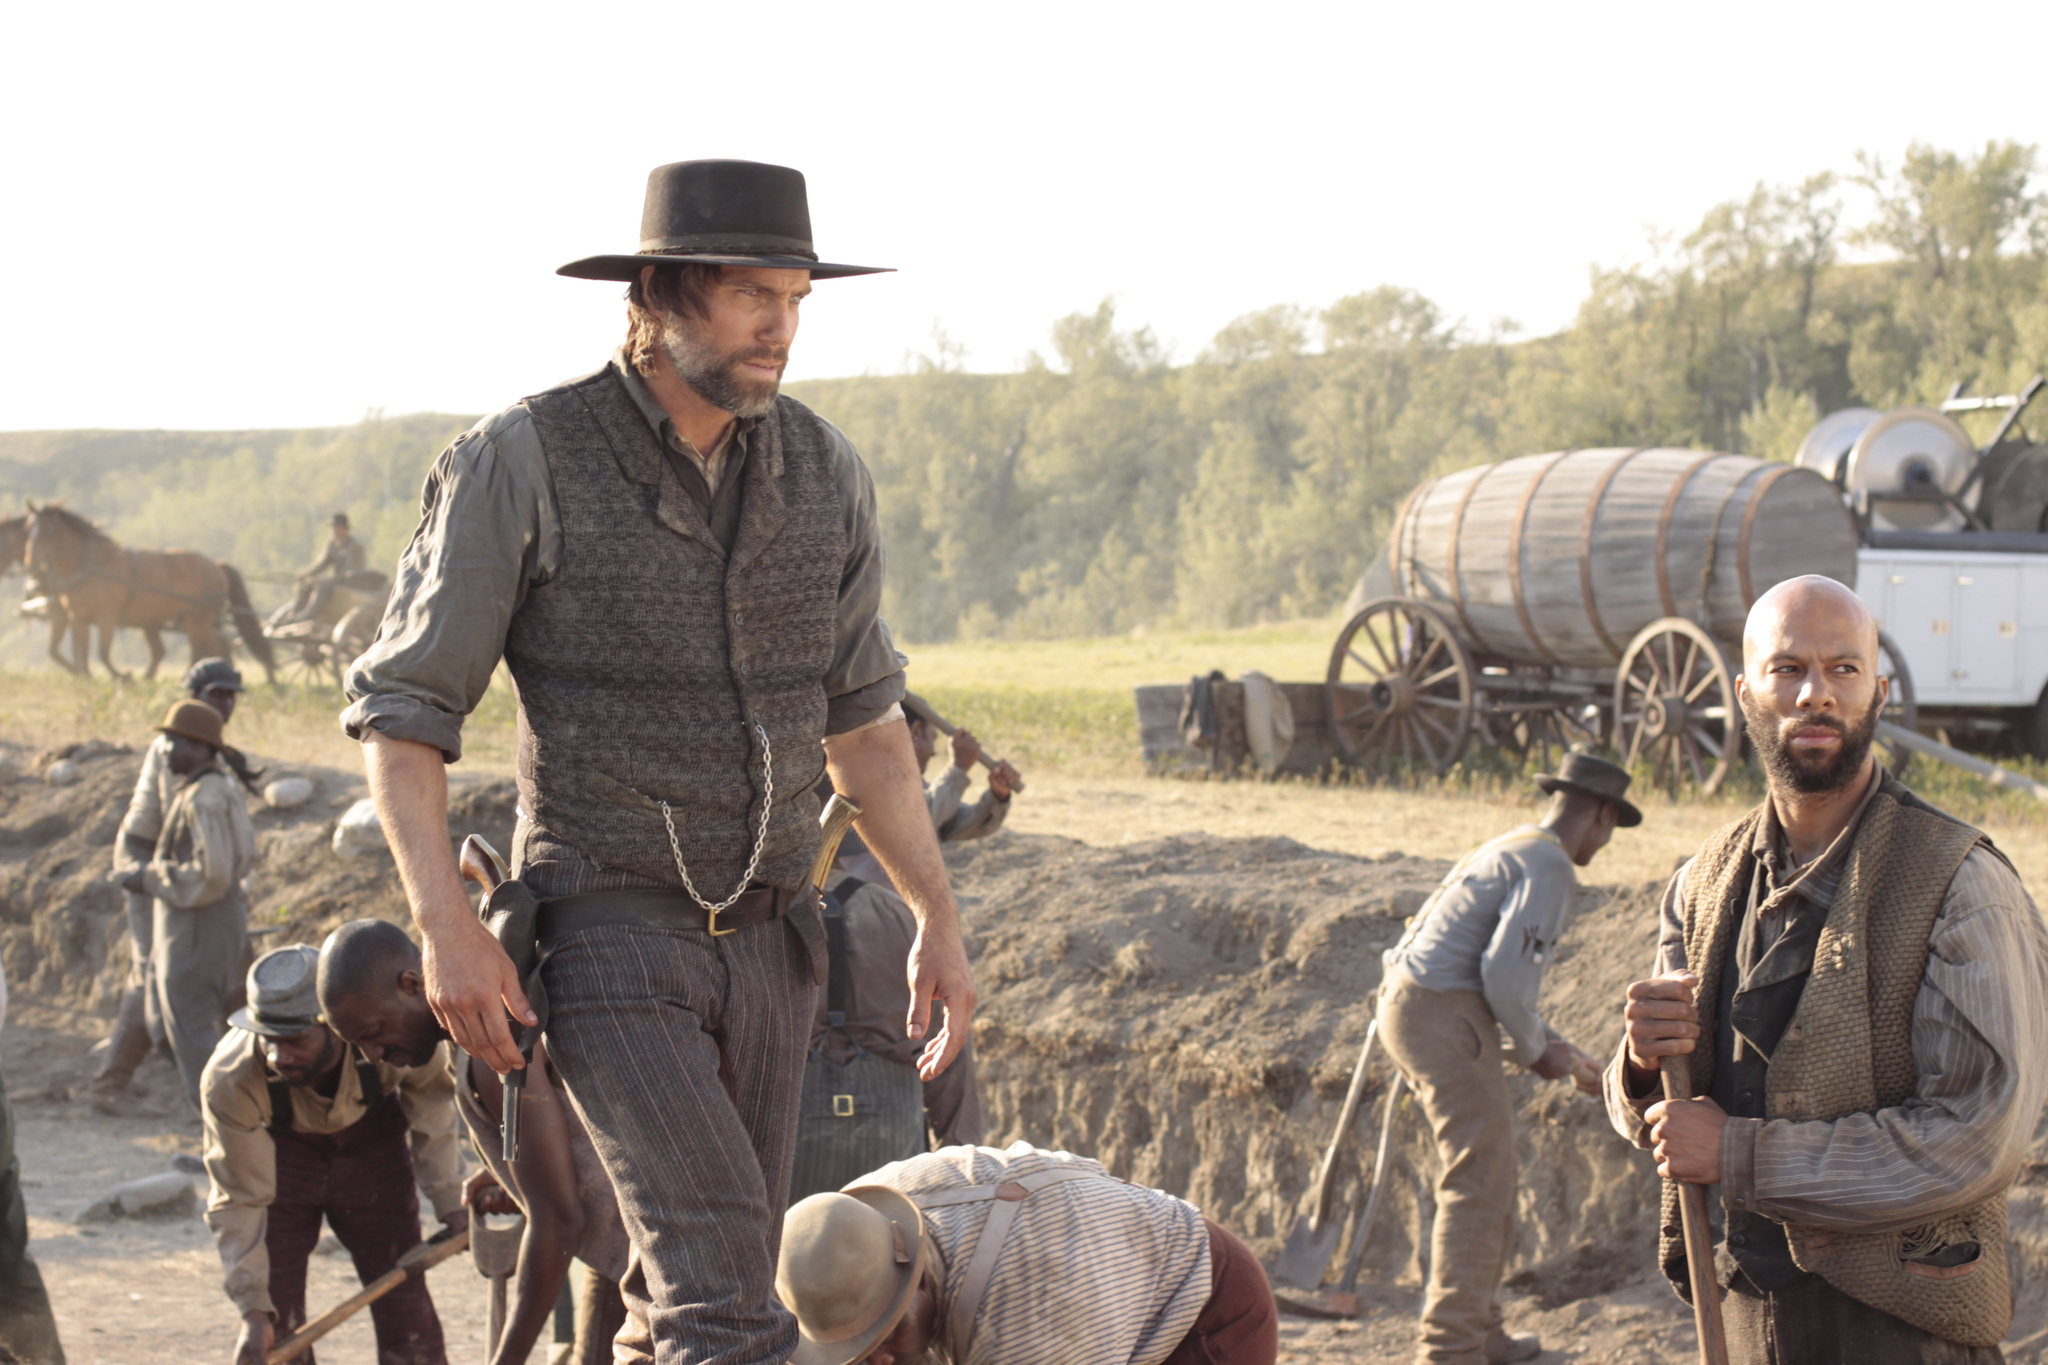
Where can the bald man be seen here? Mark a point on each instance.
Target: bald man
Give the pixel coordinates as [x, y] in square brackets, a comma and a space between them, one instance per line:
[1859, 984]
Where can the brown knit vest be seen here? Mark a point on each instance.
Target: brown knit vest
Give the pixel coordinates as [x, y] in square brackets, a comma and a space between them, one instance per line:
[645, 662]
[1849, 1050]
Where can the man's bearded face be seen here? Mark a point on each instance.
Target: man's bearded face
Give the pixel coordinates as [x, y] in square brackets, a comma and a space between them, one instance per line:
[1828, 769]
[715, 374]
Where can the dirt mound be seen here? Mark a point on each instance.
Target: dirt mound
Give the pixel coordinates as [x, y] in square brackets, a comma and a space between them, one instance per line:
[1189, 1011]
[63, 937]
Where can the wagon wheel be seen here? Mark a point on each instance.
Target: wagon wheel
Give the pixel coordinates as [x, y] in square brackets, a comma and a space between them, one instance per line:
[1900, 708]
[1675, 706]
[1400, 690]
[304, 662]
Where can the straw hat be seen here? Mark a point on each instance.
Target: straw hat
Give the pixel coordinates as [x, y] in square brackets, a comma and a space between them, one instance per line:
[850, 1263]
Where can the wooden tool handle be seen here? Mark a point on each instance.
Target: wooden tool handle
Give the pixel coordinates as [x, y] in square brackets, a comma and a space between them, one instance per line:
[1699, 1235]
[951, 730]
[1319, 1202]
[833, 822]
[418, 1261]
[480, 863]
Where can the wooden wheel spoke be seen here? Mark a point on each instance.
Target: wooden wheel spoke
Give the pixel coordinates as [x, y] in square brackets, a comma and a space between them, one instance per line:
[1422, 718]
[1436, 643]
[1446, 703]
[1375, 672]
[1441, 675]
[1693, 694]
[1692, 758]
[1388, 662]
[1422, 740]
[1699, 736]
[1350, 716]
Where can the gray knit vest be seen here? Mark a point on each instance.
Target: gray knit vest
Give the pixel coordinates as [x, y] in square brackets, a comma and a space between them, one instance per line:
[645, 662]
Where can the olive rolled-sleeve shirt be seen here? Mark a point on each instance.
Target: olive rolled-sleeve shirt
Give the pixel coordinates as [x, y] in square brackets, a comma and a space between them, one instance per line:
[241, 1156]
[490, 533]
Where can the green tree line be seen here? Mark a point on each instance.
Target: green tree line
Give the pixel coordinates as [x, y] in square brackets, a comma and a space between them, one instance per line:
[1101, 487]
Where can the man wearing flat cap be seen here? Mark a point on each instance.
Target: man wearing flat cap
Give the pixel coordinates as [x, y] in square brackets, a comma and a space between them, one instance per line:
[219, 684]
[682, 571]
[1469, 967]
[200, 920]
[297, 1132]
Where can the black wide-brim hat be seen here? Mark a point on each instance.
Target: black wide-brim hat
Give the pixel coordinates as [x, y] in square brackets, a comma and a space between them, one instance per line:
[1594, 777]
[722, 213]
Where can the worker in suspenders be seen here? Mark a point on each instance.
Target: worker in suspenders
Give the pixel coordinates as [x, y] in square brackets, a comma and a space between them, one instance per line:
[297, 1131]
[1470, 966]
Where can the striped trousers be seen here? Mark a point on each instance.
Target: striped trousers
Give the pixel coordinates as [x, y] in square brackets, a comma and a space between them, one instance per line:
[684, 1056]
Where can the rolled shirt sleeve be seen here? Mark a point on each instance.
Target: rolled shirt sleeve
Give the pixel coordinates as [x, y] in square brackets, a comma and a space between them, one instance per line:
[145, 817]
[866, 675]
[1532, 919]
[942, 798]
[977, 821]
[488, 533]
[427, 1095]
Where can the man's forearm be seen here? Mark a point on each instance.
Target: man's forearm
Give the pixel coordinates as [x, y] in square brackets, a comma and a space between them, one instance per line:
[877, 769]
[409, 783]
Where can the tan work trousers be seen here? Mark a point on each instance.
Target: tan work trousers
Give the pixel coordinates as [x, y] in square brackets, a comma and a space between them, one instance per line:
[1447, 1044]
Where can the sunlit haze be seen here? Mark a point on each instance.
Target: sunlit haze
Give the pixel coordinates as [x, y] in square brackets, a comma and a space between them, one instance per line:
[243, 215]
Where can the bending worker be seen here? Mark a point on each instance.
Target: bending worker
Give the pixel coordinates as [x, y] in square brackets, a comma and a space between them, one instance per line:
[954, 821]
[296, 1133]
[219, 684]
[199, 923]
[1018, 1257]
[373, 994]
[1470, 965]
[1859, 984]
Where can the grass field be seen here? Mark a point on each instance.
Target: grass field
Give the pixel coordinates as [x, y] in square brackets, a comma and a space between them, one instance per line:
[1063, 712]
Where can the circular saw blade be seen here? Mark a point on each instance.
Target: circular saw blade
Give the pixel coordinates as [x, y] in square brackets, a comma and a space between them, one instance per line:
[1907, 450]
[1831, 439]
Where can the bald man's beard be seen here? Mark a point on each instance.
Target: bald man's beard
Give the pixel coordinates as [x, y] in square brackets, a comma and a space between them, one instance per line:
[714, 374]
[1812, 773]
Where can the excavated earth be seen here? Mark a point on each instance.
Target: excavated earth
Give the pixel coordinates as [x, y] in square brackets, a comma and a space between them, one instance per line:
[1186, 1009]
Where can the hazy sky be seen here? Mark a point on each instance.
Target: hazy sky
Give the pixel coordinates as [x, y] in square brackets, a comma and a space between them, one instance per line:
[221, 215]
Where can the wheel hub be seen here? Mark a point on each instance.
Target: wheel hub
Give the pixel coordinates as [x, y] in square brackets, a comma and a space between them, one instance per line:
[1393, 696]
[1665, 716]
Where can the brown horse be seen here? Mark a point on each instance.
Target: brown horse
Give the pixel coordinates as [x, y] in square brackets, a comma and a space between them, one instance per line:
[96, 583]
[13, 556]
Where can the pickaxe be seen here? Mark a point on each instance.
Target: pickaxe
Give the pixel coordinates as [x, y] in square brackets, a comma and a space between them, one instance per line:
[418, 1261]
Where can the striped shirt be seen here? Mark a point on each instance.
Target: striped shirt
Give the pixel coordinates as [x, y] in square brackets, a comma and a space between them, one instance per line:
[1094, 1272]
[1980, 1045]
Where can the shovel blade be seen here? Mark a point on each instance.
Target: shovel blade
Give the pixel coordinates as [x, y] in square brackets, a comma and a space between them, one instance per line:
[1306, 1258]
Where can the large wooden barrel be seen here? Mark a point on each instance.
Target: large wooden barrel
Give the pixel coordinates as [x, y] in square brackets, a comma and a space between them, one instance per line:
[1561, 558]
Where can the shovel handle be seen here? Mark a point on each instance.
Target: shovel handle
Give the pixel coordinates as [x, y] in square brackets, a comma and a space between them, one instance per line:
[1319, 1203]
[1699, 1236]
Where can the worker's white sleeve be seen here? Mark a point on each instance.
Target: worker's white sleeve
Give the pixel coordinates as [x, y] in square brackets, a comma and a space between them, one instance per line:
[1532, 919]
[427, 1094]
[944, 796]
[145, 817]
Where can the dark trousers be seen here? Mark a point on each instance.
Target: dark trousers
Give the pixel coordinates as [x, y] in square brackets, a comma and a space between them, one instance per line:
[1814, 1323]
[27, 1327]
[1240, 1324]
[130, 1041]
[196, 962]
[684, 1056]
[360, 1180]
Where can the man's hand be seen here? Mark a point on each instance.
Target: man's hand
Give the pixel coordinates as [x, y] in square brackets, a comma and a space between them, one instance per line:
[455, 1221]
[1562, 1061]
[1685, 1136]
[1003, 779]
[966, 751]
[938, 972]
[133, 883]
[484, 1194]
[470, 984]
[256, 1339]
[1662, 1022]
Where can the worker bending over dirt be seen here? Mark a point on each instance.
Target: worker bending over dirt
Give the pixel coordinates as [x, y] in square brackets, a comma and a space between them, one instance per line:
[1470, 965]
[955, 822]
[1018, 1257]
[296, 1133]
[1860, 985]
[217, 683]
[199, 923]
[863, 1102]
[373, 994]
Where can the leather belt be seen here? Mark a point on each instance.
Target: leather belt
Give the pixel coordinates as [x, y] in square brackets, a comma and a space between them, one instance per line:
[659, 909]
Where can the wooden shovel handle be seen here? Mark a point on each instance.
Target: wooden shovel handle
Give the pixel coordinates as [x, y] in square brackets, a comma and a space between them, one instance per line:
[418, 1261]
[1699, 1235]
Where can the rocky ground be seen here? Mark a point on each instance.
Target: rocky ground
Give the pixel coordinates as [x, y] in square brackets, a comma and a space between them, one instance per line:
[1188, 1009]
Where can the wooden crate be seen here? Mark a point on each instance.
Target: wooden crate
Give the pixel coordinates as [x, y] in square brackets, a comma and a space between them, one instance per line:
[1168, 754]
